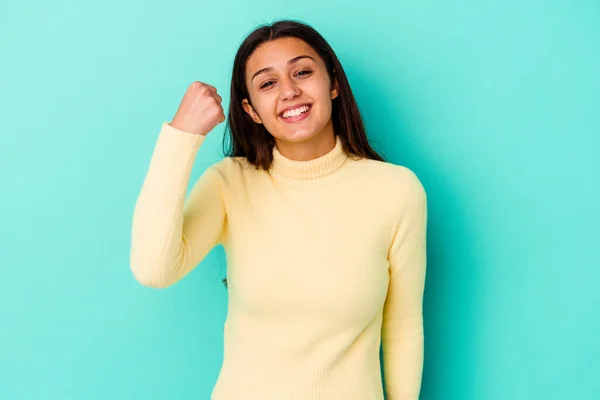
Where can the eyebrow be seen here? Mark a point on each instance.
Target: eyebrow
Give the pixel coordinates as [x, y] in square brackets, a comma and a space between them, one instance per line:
[290, 62]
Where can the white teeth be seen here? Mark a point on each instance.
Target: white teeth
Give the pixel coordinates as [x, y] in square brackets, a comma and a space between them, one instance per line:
[295, 112]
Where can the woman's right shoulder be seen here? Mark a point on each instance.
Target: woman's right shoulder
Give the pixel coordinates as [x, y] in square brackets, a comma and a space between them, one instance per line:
[231, 164]
[233, 168]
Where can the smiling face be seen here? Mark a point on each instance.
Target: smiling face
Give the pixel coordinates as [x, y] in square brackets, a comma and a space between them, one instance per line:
[284, 73]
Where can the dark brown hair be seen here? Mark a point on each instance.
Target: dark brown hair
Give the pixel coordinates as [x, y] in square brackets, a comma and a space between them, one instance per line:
[251, 140]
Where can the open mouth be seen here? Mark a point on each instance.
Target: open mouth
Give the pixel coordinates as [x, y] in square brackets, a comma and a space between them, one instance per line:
[304, 112]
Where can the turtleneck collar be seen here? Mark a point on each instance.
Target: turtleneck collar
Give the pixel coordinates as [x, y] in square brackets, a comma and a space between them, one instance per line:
[310, 169]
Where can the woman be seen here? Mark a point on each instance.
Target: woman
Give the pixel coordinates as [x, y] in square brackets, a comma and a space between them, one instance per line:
[325, 241]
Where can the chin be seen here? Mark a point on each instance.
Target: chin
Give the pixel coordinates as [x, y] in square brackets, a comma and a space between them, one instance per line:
[296, 137]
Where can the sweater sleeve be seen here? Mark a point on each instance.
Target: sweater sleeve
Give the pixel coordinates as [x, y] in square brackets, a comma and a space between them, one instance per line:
[402, 328]
[171, 235]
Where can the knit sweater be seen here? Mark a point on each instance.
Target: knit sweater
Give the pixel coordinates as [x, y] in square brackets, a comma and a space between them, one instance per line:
[325, 262]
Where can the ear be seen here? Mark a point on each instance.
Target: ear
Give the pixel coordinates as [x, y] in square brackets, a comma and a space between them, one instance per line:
[335, 91]
[250, 110]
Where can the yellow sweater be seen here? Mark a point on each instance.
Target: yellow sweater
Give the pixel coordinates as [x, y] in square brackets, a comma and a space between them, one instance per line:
[325, 259]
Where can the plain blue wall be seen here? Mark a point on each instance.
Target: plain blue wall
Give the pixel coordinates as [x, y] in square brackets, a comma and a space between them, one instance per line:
[494, 106]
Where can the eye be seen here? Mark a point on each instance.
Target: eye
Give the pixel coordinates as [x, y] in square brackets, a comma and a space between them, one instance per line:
[303, 72]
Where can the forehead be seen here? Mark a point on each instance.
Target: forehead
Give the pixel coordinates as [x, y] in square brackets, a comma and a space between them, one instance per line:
[276, 53]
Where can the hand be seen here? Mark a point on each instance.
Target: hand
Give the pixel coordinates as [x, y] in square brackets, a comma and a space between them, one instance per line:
[200, 109]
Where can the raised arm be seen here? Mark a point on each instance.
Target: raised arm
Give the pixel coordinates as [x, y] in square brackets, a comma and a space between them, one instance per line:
[171, 234]
[402, 330]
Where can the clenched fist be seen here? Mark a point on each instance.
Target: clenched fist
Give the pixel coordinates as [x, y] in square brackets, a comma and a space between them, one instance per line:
[200, 109]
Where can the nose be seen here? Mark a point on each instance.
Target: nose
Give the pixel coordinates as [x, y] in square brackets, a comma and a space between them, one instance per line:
[289, 89]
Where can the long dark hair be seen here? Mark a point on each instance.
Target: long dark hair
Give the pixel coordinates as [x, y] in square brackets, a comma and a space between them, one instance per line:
[245, 138]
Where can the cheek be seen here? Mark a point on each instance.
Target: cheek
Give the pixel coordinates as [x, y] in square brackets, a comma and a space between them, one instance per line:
[264, 108]
[323, 99]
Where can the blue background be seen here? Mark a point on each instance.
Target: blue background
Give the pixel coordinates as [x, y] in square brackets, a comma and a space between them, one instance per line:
[494, 106]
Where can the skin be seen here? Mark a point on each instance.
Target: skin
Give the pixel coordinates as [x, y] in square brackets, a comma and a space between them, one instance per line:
[287, 85]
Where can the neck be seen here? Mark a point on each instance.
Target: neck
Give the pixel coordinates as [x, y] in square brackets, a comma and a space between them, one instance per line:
[311, 148]
[318, 168]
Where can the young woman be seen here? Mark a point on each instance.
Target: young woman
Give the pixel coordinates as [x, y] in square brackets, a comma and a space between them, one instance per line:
[325, 241]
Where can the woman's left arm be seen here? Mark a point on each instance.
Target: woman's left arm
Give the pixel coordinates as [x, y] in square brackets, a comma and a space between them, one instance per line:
[402, 329]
